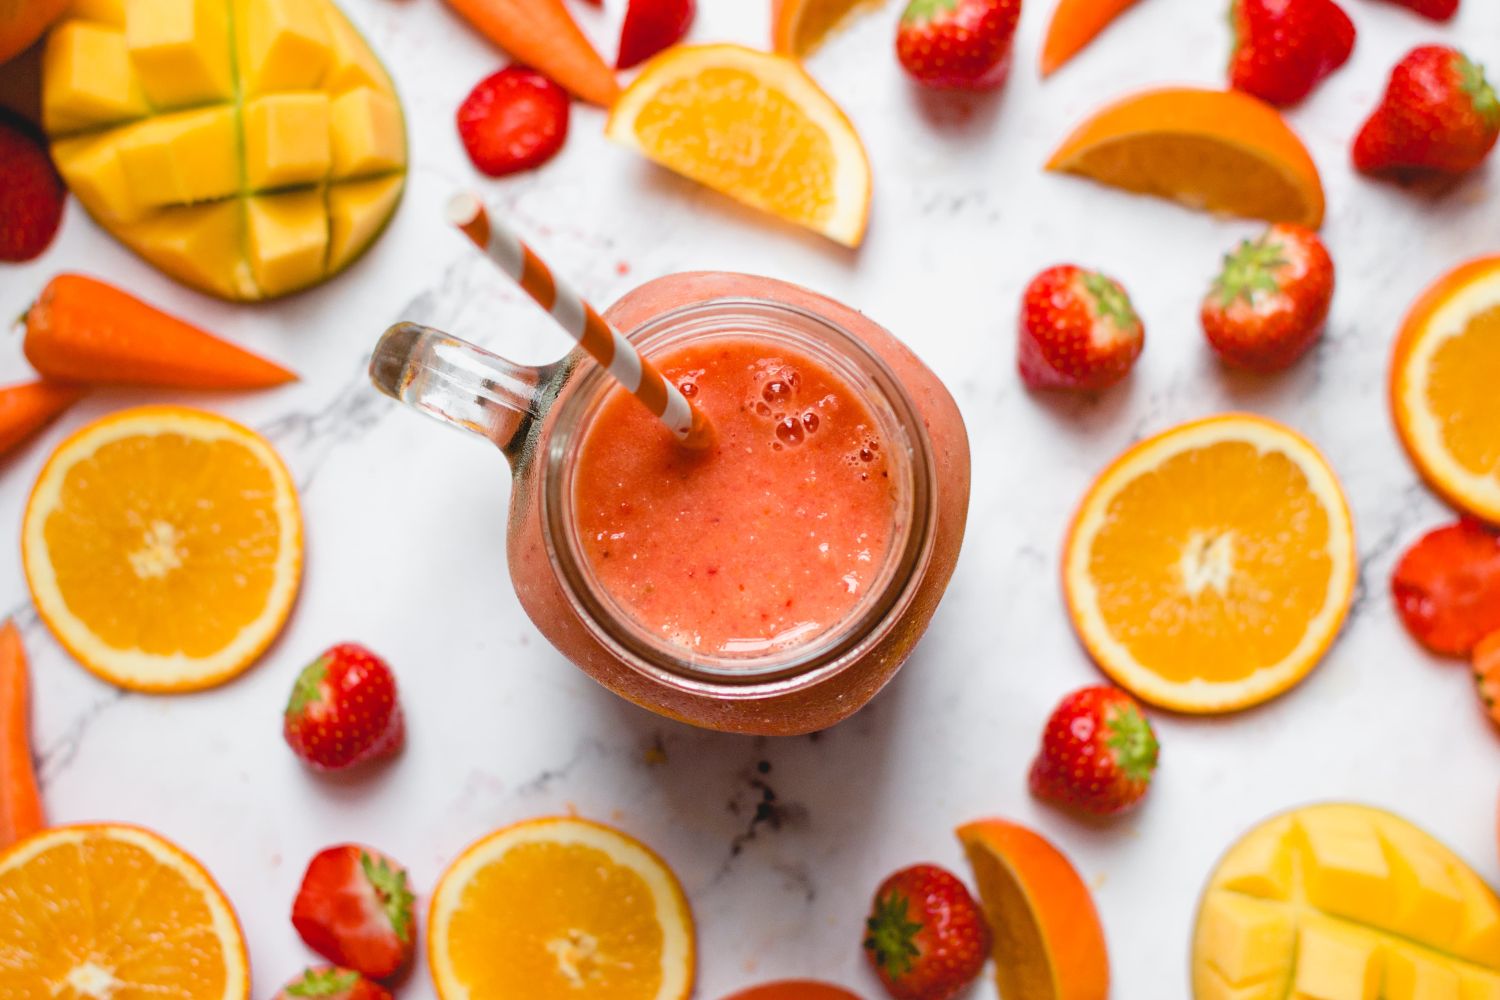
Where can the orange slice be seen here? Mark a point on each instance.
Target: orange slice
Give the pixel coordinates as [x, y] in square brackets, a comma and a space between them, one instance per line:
[1222, 151]
[163, 547]
[1074, 24]
[555, 909]
[1445, 387]
[1210, 568]
[1049, 943]
[109, 911]
[798, 27]
[753, 126]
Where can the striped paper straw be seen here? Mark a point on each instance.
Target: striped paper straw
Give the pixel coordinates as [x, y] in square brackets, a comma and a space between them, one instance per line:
[592, 332]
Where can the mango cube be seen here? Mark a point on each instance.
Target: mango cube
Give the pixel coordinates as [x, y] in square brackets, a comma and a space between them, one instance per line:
[1262, 865]
[89, 78]
[1479, 941]
[287, 140]
[368, 137]
[284, 44]
[1211, 985]
[91, 166]
[351, 63]
[288, 241]
[1251, 940]
[357, 211]
[111, 12]
[1476, 985]
[1345, 866]
[198, 245]
[181, 50]
[1336, 963]
[1429, 904]
[183, 158]
[1410, 975]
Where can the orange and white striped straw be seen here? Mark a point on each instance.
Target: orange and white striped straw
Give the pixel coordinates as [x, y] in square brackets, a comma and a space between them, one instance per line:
[592, 331]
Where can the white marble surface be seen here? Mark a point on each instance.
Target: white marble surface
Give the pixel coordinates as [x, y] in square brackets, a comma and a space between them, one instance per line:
[404, 520]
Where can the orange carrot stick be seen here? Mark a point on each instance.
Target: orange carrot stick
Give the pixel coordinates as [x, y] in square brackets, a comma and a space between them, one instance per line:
[20, 804]
[544, 36]
[82, 330]
[1074, 25]
[27, 407]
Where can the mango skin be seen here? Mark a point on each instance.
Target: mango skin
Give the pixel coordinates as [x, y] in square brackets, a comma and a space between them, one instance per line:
[1345, 902]
[248, 148]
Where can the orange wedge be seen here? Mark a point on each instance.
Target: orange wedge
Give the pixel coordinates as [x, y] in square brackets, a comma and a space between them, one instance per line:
[1211, 567]
[1049, 943]
[1074, 24]
[1445, 387]
[798, 27]
[753, 126]
[1222, 151]
[556, 909]
[163, 547]
[109, 912]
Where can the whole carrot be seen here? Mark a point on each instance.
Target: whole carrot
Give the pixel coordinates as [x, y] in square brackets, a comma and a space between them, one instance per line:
[543, 35]
[83, 330]
[27, 407]
[21, 812]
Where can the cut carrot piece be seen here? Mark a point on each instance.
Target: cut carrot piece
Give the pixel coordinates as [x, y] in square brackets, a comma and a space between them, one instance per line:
[27, 407]
[82, 330]
[544, 36]
[20, 803]
[1075, 23]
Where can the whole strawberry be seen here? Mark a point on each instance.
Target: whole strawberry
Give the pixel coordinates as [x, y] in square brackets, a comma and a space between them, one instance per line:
[1078, 331]
[343, 710]
[1447, 587]
[650, 26]
[31, 193]
[332, 984]
[513, 120]
[1098, 753]
[1438, 10]
[1487, 675]
[1269, 303]
[1282, 48]
[925, 937]
[354, 908]
[1439, 113]
[958, 44]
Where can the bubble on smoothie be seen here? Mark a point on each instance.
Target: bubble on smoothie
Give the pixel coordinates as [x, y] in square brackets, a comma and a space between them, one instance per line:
[762, 410]
[779, 390]
[789, 431]
[688, 388]
[810, 422]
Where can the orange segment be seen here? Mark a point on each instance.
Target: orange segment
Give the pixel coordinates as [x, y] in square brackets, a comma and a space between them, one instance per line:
[114, 911]
[1222, 151]
[798, 27]
[1210, 568]
[163, 547]
[1443, 387]
[753, 126]
[560, 908]
[1049, 943]
[1074, 24]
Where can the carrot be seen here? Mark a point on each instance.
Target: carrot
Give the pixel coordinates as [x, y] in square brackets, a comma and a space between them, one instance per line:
[544, 36]
[27, 407]
[1074, 25]
[20, 804]
[82, 330]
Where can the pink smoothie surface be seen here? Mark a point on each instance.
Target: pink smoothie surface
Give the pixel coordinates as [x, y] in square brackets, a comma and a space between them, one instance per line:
[764, 541]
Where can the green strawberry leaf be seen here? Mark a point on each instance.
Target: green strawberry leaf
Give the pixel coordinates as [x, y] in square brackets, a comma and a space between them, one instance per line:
[1110, 300]
[1129, 735]
[1481, 94]
[1249, 270]
[323, 983]
[309, 687]
[891, 938]
[390, 886]
[922, 11]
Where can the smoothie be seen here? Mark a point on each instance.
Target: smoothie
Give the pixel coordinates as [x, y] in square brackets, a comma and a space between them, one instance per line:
[766, 540]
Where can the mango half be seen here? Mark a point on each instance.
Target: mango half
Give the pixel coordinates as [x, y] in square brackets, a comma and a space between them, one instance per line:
[1343, 902]
[248, 148]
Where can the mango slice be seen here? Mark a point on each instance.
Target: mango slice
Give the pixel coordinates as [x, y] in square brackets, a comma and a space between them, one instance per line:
[1343, 902]
[249, 148]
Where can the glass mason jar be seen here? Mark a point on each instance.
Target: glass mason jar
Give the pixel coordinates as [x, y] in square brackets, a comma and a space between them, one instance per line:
[538, 417]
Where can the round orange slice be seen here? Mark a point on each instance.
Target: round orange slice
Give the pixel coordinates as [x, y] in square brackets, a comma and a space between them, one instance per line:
[1445, 387]
[1211, 567]
[1221, 151]
[1049, 943]
[108, 911]
[555, 909]
[798, 27]
[753, 126]
[163, 547]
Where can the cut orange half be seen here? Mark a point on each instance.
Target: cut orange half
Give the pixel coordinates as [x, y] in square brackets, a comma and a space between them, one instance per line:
[753, 126]
[555, 909]
[1074, 24]
[106, 911]
[163, 547]
[798, 27]
[1445, 387]
[1210, 568]
[1221, 151]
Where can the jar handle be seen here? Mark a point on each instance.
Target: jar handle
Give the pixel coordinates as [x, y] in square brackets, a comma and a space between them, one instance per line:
[458, 383]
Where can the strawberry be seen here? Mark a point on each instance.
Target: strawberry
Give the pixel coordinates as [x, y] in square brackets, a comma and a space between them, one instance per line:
[343, 710]
[1487, 675]
[31, 193]
[1268, 304]
[927, 938]
[1447, 587]
[1282, 48]
[958, 44]
[354, 909]
[1438, 113]
[1098, 753]
[1438, 10]
[513, 120]
[1078, 330]
[650, 26]
[328, 983]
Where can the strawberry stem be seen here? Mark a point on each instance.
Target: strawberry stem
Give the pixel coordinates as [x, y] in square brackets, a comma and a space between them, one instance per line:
[1134, 744]
[396, 898]
[323, 983]
[309, 686]
[1250, 269]
[1110, 300]
[891, 936]
[1481, 94]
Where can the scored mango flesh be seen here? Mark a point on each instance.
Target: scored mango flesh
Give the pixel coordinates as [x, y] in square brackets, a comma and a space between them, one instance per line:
[1338, 902]
[1462, 391]
[248, 148]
